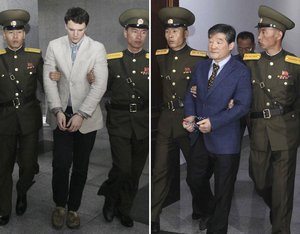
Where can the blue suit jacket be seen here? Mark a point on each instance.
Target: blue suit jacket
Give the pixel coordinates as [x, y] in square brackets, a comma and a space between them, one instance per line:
[233, 82]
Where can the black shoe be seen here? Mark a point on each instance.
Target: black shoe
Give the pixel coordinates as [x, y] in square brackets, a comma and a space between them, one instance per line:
[21, 205]
[203, 223]
[196, 216]
[126, 221]
[155, 227]
[4, 220]
[108, 210]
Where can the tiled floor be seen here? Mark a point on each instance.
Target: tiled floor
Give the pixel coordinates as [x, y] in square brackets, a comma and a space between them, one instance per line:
[248, 213]
[37, 219]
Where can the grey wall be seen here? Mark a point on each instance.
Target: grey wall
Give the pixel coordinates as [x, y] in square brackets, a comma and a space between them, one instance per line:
[104, 20]
[32, 38]
[242, 14]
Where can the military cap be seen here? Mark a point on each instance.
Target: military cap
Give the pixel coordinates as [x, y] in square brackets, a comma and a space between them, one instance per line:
[14, 19]
[274, 19]
[135, 18]
[174, 17]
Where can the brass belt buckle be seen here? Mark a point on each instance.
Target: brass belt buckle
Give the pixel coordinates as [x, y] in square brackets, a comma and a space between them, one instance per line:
[16, 102]
[132, 108]
[267, 114]
[171, 106]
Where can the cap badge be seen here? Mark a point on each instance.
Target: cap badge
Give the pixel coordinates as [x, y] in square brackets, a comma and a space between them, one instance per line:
[13, 23]
[140, 21]
[170, 21]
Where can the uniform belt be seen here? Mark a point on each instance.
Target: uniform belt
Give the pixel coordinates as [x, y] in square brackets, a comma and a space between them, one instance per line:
[18, 101]
[132, 107]
[172, 105]
[269, 113]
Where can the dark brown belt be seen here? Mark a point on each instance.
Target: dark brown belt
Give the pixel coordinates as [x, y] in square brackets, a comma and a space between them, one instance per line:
[269, 113]
[16, 102]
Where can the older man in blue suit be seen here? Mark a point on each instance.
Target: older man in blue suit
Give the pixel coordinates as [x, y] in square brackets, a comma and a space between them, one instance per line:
[216, 150]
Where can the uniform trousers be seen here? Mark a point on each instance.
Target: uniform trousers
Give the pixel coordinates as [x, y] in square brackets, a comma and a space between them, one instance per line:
[26, 146]
[224, 167]
[129, 156]
[70, 148]
[163, 172]
[273, 173]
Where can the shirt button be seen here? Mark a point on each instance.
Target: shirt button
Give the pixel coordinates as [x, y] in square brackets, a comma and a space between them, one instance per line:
[253, 81]
[2, 75]
[132, 96]
[118, 76]
[30, 73]
[15, 56]
[133, 84]
[269, 77]
[268, 103]
[17, 81]
[16, 69]
[176, 58]
[269, 90]
[187, 77]
[173, 83]
[134, 60]
[285, 83]
[271, 63]
[17, 94]
[173, 70]
[133, 72]
[173, 97]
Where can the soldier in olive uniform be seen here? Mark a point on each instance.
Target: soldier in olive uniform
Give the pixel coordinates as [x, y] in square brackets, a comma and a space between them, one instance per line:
[20, 112]
[176, 64]
[274, 118]
[127, 117]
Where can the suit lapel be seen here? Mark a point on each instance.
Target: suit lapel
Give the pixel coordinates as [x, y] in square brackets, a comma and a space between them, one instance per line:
[66, 50]
[80, 57]
[222, 75]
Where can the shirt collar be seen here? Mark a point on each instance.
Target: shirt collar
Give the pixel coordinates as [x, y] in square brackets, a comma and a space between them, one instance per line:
[223, 62]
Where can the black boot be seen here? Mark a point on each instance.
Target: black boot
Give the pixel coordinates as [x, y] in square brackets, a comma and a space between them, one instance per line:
[155, 227]
[4, 220]
[21, 205]
[108, 209]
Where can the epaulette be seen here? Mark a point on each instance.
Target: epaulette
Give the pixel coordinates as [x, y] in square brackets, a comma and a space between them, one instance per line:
[147, 55]
[198, 53]
[33, 50]
[292, 59]
[162, 52]
[115, 55]
[2, 51]
[252, 56]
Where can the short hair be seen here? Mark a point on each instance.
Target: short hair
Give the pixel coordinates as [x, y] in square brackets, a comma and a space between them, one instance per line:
[228, 30]
[77, 15]
[246, 35]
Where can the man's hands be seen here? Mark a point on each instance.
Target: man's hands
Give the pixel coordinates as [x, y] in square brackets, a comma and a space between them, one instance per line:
[56, 75]
[91, 77]
[203, 125]
[188, 123]
[73, 124]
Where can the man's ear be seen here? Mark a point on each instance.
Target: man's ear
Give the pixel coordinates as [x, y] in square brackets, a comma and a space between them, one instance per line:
[231, 45]
[125, 33]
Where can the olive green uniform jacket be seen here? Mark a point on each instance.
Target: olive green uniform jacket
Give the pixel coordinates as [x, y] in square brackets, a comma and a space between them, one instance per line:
[280, 77]
[176, 72]
[128, 84]
[26, 65]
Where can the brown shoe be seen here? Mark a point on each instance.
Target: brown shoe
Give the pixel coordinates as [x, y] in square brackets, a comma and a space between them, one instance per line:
[58, 217]
[73, 220]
